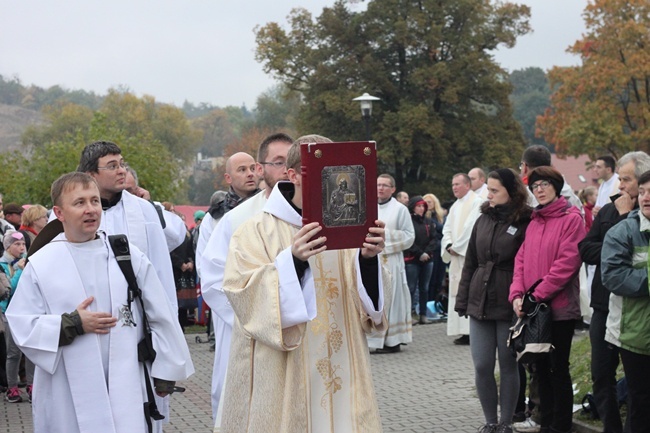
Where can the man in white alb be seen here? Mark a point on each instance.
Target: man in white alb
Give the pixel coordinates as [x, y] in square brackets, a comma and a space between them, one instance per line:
[478, 179]
[605, 170]
[69, 316]
[125, 213]
[455, 237]
[272, 156]
[399, 236]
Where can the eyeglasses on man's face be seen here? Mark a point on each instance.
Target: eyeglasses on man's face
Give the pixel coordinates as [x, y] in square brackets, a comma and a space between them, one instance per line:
[276, 164]
[540, 185]
[114, 166]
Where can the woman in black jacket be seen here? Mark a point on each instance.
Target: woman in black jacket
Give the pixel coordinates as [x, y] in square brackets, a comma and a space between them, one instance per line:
[419, 257]
[483, 293]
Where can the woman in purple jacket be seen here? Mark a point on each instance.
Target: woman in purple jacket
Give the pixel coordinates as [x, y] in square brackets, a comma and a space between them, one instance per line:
[550, 253]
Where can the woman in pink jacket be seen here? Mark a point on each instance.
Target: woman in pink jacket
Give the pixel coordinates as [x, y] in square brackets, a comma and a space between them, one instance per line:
[550, 253]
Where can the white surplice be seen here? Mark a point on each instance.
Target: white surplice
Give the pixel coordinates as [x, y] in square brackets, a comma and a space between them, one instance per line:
[95, 384]
[607, 189]
[457, 231]
[205, 232]
[174, 230]
[399, 236]
[213, 262]
[299, 360]
[482, 191]
[139, 221]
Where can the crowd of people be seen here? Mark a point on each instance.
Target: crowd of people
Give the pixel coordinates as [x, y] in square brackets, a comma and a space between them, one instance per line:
[86, 311]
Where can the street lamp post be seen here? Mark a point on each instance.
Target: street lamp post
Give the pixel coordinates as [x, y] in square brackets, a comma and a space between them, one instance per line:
[365, 101]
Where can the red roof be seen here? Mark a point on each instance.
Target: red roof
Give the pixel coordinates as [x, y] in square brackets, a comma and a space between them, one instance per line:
[576, 171]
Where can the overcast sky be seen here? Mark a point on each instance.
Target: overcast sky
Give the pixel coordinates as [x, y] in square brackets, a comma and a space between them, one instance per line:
[197, 50]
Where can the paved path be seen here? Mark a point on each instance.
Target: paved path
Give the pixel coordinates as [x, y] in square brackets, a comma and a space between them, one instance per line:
[427, 388]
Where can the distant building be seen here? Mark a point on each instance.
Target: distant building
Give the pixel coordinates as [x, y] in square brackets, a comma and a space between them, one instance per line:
[577, 171]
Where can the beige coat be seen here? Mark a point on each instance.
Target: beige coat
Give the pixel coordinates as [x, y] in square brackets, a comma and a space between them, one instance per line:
[309, 377]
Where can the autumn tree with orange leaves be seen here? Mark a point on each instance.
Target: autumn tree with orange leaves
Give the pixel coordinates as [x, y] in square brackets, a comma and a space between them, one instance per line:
[603, 106]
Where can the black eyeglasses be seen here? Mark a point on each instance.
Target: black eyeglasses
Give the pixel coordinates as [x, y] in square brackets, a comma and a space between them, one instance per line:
[540, 185]
[277, 164]
[114, 166]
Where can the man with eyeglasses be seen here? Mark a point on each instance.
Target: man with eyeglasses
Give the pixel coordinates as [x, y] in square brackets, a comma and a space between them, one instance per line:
[124, 213]
[271, 157]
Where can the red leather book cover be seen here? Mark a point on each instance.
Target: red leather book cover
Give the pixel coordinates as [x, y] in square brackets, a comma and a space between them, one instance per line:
[339, 190]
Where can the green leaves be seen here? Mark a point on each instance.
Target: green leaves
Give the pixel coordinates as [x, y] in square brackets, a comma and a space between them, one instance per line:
[430, 64]
[156, 140]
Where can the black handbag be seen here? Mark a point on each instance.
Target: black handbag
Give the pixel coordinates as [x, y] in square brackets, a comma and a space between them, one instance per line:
[531, 337]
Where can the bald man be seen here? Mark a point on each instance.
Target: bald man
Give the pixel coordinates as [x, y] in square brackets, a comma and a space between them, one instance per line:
[478, 179]
[242, 174]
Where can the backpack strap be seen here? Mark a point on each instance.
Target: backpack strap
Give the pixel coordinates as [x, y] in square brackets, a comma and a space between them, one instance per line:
[120, 246]
[160, 214]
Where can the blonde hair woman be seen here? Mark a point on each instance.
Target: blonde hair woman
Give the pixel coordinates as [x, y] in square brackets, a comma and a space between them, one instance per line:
[436, 214]
[32, 222]
[434, 207]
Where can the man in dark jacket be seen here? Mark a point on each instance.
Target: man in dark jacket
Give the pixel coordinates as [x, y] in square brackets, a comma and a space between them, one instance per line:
[604, 356]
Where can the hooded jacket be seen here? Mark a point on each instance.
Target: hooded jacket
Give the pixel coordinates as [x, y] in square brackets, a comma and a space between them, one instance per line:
[489, 263]
[426, 235]
[550, 253]
[625, 274]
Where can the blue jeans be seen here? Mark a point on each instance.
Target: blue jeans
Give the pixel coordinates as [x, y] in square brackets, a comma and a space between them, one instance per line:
[437, 277]
[418, 275]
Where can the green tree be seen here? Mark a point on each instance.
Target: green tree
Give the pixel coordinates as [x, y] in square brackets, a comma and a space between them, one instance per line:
[165, 123]
[278, 108]
[155, 139]
[530, 97]
[65, 121]
[11, 91]
[444, 101]
[603, 105]
[217, 131]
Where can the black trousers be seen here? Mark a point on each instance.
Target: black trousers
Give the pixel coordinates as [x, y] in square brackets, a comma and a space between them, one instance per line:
[604, 361]
[637, 372]
[555, 388]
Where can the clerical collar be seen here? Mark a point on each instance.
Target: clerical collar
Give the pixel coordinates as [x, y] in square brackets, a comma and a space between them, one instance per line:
[107, 204]
[384, 202]
[287, 189]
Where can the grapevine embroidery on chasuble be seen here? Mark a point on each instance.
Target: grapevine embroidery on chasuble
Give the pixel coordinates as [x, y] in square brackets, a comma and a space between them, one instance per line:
[332, 365]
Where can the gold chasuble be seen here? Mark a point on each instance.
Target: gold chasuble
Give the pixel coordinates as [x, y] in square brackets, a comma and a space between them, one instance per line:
[309, 377]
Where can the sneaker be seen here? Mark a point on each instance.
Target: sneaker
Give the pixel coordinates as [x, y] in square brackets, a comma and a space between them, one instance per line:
[29, 392]
[528, 426]
[424, 320]
[519, 417]
[504, 428]
[13, 395]
[487, 428]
